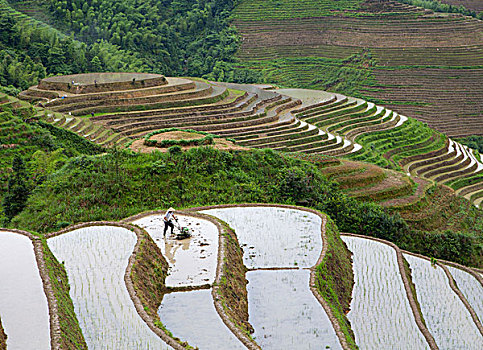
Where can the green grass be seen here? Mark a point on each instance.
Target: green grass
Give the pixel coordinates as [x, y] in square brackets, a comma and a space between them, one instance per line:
[255, 10]
[71, 333]
[42, 146]
[456, 184]
[120, 184]
[347, 75]
[335, 280]
[411, 138]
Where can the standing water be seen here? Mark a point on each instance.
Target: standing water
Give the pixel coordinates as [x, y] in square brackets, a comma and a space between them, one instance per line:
[447, 318]
[285, 314]
[380, 314]
[95, 259]
[23, 304]
[192, 317]
[281, 307]
[274, 237]
[192, 261]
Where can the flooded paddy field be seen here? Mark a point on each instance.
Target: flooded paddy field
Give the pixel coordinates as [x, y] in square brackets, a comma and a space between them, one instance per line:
[282, 309]
[471, 289]
[273, 236]
[23, 305]
[285, 314]
[446, 317]
[192, 317]
[380, 314]
[192, 261]
[95, 259]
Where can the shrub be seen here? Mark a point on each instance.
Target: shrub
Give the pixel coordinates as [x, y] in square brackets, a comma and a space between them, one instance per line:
[175, 150]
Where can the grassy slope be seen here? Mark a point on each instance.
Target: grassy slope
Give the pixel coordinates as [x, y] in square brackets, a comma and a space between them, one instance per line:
[117, 185]
[71, 333]
[148, 275]
[26, 138]
[335, 280]
[232, 289]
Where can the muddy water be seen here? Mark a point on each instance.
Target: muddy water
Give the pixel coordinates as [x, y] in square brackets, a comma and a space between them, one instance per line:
[193, 260]
[274, 237]
[23, 305]
[285, 314]
[191, 316]
[95, 259]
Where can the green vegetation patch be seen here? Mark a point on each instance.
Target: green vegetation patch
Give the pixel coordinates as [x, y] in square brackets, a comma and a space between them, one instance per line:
[335, 279]
[407, 271]
[39, 149]
[475, 142]
[347, 76]
[30, 50]
[118, 184]
[207, 140]
[439, 6]
[71, 333]
[148, 275]
[256, 10]
[387, 147]
[466, 181]
[443, 224]
[232, 289]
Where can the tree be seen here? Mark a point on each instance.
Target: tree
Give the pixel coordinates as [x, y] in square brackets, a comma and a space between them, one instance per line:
[17, 191]
[96, 64]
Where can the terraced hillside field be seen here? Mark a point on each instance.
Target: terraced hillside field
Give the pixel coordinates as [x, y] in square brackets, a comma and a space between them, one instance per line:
[424, 65]
[474, 5]
[117, 110]
[127, 285]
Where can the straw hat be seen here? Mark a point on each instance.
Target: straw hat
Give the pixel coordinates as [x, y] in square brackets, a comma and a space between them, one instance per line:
[171, 209]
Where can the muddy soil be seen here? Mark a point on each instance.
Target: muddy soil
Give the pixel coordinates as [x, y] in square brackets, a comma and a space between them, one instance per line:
[192, 261]
[3, 338]
[150, 262]
[232, 284]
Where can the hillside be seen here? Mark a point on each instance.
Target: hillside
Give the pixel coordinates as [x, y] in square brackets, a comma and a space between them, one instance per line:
[472, 5]
[425, 65]
[169, 37]
[298, 218]
[421, 64]
[432, 212]
[286, 120]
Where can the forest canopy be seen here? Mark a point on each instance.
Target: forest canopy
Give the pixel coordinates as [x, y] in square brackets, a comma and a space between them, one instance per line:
[171, 37]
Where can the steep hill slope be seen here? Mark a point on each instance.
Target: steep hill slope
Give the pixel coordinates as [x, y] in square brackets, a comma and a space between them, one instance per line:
[203, 176]
[116, 109]
[422, 64]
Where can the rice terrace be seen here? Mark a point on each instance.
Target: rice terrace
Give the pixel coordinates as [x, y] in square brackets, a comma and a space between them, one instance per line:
[241, 174]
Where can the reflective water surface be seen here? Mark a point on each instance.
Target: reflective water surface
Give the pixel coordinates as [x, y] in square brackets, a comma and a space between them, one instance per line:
[192, 317]
[23, 305]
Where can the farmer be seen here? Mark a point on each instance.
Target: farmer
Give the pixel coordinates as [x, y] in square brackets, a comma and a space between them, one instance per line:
[168, 220]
